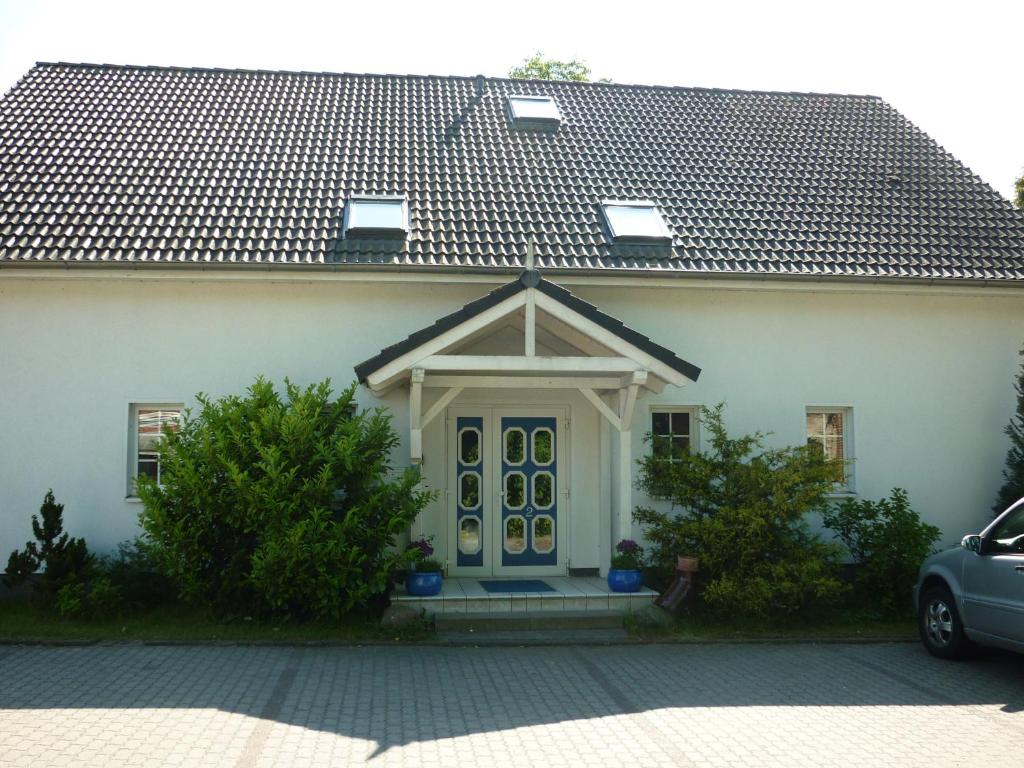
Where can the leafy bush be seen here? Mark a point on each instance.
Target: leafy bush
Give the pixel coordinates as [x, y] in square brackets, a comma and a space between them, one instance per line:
[741, 509]
[281, 505]
[66, 559]
[888, 541]
[1013, 473]
[629, 556]
[137, 575]
[98, 598]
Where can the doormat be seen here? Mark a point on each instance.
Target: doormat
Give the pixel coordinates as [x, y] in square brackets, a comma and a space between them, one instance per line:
[516, 585]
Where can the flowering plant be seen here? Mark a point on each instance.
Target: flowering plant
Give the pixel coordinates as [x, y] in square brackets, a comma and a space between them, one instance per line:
[422, 562]
[630, 556]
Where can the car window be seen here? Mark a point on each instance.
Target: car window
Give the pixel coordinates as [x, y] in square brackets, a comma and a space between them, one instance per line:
[1008, 536]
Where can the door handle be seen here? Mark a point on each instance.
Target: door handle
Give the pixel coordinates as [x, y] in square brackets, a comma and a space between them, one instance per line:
[1019, 568]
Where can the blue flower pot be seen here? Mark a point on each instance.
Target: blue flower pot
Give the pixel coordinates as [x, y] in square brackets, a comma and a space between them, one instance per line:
[625, 581]
[423, 584]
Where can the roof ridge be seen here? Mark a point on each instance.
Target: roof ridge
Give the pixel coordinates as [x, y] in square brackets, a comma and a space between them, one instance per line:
[410, 75]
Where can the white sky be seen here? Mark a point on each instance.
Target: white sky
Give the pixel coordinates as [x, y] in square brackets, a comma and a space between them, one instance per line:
[952, 68]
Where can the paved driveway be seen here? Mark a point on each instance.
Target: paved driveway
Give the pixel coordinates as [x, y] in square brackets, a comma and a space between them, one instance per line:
[725, 705]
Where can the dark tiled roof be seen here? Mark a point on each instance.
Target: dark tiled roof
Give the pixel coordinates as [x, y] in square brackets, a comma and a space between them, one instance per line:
[498, 295]
[146, 164]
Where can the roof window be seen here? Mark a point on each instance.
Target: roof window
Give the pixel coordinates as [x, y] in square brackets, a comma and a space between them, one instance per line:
[635, 221]
[376, 216]
[533, 111]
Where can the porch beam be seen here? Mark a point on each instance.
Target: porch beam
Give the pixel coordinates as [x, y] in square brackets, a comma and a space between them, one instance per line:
[381, 379]
[602, 407]
[519, 364]
[611, 341]
[522, 382]
[415, 415]
[629, 404]
[530, 326]
[442, 403]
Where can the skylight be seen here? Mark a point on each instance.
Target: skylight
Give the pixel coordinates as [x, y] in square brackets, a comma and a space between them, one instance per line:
[635, 220]
[530, 111]
[376, 216]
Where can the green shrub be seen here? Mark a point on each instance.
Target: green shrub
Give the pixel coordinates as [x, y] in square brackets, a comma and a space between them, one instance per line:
[98, 598]
[66, 560]
[137, 575]
[888, 542]
[741, 509]
[281, 505]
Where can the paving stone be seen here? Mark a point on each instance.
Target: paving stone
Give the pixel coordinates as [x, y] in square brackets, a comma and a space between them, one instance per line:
[694, 705]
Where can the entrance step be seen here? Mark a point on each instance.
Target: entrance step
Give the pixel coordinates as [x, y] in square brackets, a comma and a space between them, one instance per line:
[527, 621]
[521, 638]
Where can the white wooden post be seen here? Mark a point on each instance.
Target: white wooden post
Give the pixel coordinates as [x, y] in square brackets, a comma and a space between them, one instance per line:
[416, 415]
[625, 484]
[530, 327]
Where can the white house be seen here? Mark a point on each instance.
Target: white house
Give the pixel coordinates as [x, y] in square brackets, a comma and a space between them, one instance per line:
[531, 275]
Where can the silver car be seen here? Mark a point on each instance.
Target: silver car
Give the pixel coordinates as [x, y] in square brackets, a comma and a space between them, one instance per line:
[975, 593]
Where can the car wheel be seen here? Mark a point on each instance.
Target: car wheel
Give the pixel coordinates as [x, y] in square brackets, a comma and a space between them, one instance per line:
[942, 632]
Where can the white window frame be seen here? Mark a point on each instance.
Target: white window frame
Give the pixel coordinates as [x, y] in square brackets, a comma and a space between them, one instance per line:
[692, 410]
[382, 232]
[845, 488]
[133, 439]
[664, 236]
[517, 114]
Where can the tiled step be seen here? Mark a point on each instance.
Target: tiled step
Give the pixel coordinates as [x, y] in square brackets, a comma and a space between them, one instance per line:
[571, 594]
[524, 621]
[520, 638]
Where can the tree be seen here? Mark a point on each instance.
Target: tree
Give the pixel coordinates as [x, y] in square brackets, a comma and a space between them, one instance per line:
[538, 68]
[276, 504]
[1013, 474]
[741, 508]
[1019, 187]
[66, 559]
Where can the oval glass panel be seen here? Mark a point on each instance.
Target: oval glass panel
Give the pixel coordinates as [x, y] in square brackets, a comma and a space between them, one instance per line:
[469, 535]
[515, 490]
[543, 490]
[515, 534]
[469, 446]
[469, 490]
[543, 444]
[515, 446]
[543, 534]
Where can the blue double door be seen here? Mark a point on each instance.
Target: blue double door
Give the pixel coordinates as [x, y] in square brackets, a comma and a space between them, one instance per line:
[507, 492]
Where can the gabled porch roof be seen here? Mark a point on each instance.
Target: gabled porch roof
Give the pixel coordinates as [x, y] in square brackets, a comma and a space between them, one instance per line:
[609, 347]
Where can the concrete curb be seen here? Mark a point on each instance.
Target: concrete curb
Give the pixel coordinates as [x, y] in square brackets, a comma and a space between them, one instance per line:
[461, 642]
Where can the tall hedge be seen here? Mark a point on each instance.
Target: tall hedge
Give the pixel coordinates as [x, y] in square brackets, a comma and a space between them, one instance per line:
[282, 505]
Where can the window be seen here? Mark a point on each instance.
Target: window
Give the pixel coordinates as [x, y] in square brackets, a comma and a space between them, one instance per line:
[147, 433]
[672, 432]
[376, 216]
[533, 111]
[635, 220]
[1008, 537]
[830, 428]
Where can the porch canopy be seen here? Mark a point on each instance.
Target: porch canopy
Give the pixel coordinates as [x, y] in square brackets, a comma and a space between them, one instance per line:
[580, 348]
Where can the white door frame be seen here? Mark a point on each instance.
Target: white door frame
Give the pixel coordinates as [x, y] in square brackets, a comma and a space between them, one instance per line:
[490, 491]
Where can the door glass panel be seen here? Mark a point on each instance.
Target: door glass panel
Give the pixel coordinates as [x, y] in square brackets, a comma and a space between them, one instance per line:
[543, 534]
[515, 490]
[543, 490]
[543, 441]
[515, 446]
[469, 446]
[1008, 537]
[469, 535]
[469, 490]
[515, 534]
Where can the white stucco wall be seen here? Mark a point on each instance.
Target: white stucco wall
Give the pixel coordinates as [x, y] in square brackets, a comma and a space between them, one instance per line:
[928, 375]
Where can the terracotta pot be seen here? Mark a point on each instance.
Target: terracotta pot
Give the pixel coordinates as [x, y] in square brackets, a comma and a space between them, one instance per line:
[687, 564]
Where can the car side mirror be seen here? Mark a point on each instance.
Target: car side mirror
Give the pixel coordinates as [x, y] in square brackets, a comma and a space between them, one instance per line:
[972, 542]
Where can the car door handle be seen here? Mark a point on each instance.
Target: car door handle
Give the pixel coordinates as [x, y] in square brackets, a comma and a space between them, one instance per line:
[1019, 568]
